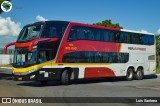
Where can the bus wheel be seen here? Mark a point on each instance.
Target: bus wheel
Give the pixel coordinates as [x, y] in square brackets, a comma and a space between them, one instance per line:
[43, 83]
[65, 77]
[139, 74]
[129, 75]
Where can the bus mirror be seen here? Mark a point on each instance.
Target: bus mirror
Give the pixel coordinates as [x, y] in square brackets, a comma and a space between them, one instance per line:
[8, 45]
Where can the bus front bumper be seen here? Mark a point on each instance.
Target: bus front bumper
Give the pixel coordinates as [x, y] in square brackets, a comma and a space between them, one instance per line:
[38, 75]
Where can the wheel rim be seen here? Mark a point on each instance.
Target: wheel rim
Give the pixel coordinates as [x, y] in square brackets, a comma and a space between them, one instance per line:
[139, 74]
[130, 75]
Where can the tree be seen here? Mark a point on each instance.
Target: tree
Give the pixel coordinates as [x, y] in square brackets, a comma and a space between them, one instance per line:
[108, 23]
[158, 50]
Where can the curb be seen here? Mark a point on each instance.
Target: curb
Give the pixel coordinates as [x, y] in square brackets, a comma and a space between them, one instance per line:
[158, 74]
[6, 67]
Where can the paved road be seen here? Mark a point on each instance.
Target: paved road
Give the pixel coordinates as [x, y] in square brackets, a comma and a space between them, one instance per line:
[110, 87]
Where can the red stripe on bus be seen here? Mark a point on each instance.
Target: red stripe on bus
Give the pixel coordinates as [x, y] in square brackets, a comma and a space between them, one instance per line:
[99, 72]
[93, 26]
[83, 45]
[86, 45]
[30, 44]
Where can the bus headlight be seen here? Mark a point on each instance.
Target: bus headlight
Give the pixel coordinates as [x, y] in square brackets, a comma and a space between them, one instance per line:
[34, 47]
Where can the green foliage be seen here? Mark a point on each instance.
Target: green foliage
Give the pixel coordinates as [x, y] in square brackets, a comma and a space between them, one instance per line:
[4, 4]
[157, 71]
[108, 23]
[158, 50]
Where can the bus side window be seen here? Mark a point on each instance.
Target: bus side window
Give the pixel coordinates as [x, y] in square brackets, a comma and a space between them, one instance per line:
[90, 34]
[105, 35]
[42, 56]
[136, 38]
[151, 40]
[81, 33]
[105, 57]
[145, 40]
[97, 33]
[128, 37]
[116, 36]
[98, 57]
[91, 57]
[72, 34]
[111, 36]
[122, 37]
[52, 32]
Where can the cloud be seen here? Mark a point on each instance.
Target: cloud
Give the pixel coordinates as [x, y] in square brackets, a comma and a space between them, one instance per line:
[9, 27]
[40, 18]
[158, 32]
[7, 39]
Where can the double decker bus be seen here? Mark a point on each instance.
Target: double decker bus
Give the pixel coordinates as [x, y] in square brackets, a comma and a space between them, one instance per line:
[62, 50]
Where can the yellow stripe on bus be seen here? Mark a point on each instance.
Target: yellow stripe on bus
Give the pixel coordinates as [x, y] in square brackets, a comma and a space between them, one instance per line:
[52, 63]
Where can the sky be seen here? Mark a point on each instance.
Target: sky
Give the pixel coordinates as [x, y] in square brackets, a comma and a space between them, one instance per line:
[139, 15]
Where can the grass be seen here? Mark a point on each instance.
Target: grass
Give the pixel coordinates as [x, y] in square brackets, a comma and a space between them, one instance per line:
[5, 65]
[158, 71]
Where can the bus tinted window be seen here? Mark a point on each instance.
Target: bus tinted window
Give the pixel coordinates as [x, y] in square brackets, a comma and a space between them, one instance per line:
[151, 40]
[78, 33]
[95, 57]
[147, 40]
[91, 34]
[105, 36]
[73, 34]
[53, 31]
[81, 33]
[95, 34]
[111, 36]
[128, 38]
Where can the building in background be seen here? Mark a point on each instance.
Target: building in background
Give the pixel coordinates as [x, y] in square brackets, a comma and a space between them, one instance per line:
[6, 58]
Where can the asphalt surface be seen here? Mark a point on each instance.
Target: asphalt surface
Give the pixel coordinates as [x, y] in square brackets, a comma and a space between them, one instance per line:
[108, 87]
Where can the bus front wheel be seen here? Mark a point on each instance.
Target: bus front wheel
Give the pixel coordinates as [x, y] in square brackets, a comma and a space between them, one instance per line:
[138, 75]
[65, 77]
[129, 75]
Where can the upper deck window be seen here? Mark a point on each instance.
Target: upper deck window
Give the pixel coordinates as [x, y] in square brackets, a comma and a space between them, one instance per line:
[104, 35]
[54, 30]
[48, 29]
[30, 32]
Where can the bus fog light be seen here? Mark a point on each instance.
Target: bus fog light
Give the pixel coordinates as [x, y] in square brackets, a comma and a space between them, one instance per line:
[32, 76]
[41, 72]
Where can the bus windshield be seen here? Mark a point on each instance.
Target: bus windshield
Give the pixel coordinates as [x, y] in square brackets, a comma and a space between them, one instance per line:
[53, 29]
[23, 58]
[30, 32]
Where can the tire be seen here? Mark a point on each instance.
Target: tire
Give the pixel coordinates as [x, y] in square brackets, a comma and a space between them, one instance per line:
[138, 75]
[65, 78]
[129, 75]
[43, 83]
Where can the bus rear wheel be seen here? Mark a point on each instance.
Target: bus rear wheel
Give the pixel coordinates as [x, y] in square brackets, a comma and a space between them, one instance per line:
[129, 75]
[138, 75]
[65, 77]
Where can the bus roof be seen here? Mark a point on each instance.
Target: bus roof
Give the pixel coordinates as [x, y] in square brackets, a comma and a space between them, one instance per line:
[125, 30]
[54, 21]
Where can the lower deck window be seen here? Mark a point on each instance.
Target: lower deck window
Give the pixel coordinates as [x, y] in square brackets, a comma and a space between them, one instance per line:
[95, 57]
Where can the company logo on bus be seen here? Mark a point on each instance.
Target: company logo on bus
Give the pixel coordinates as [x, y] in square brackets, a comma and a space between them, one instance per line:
[136, 48]
[71, 47]
[6, 6]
